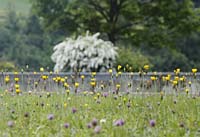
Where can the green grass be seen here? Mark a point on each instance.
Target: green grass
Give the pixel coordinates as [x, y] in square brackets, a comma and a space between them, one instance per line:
[168, 113]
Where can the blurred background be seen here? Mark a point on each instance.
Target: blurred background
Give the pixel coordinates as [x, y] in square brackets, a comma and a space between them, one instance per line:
[162, 33]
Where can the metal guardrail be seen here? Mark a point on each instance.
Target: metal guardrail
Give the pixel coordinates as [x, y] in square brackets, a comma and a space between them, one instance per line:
[27, 79]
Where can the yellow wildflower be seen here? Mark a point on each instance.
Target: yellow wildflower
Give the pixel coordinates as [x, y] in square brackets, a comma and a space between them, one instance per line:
[17, 86]
[15, 72]
[62, 80]
[93, 83]
[153, 78]
[18, 90]
[41, 69]
[7, 79]
[93, 74]
[82, 76]
[146, 67]
[76, 84]
[176, 78]
[67, 91]
[110, 70]
[118, 86]
[175, 82]
[16, 79]
[194, 70]
[119, 67]
[65, 104]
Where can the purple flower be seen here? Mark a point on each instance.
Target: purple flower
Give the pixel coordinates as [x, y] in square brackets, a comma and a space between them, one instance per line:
[66, 125]
[10, 123]
[74, 110]
[119, 122]
[105, 94]
[94, 122]
[152, 123]
[50, 116]
[89, 125]
[97, 129]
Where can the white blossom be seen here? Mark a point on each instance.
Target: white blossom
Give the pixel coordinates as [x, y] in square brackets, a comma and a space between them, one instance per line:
[86, 53]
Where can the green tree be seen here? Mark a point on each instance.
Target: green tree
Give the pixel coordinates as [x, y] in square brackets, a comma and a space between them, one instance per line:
[155, 23]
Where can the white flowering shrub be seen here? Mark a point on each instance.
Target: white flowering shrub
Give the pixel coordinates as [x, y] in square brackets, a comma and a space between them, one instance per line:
[88, 53]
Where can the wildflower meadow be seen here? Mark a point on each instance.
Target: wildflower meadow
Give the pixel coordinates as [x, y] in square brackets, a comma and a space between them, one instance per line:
[115, 104]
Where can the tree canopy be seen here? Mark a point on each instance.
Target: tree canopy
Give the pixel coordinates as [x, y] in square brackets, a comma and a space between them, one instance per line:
[155, 23]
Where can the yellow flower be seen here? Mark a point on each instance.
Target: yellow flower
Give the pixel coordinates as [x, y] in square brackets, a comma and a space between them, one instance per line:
[65, 104]
[62, 80]
[177, 71]
[7, 79]
[15, 72]
[17, 86]
[85, 92]
[95, 98]
[189, 82]
[124, 99]
[54, 79]
[76, 84]
[93, 74]
[98, 94]
[119, 67]
[176, 78]
[153, 78]
[119, 73]
[175, 82]
[34, 72]
[44, 77]
[82, 76]
[58, 78]
[93, 83]
[110, 70]
[67, 91]
[118, 86]
[16, 79]
[168, 77]
[183, 78]
[163, 78]
[41, 69]
[86, 105]
[194, 70]
[18, 90]
[187, 90]
[66, 85]
[146, 67]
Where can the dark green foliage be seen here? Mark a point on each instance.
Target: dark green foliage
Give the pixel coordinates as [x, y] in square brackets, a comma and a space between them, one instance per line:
[131, 59]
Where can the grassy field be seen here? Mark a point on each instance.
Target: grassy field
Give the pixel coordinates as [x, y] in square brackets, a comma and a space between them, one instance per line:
[48, 105]
[101, 114]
